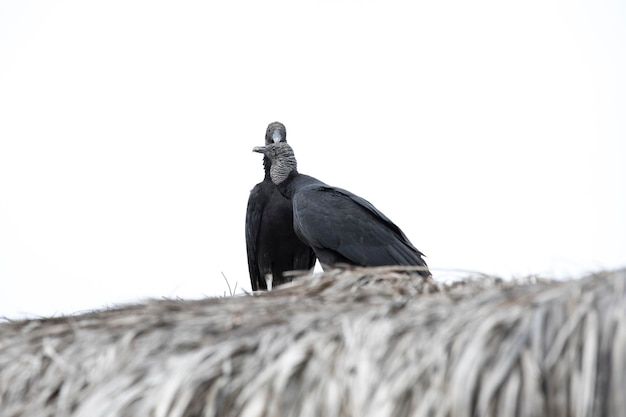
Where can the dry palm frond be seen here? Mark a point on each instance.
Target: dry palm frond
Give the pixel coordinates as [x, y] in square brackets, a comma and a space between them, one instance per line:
[350, 342]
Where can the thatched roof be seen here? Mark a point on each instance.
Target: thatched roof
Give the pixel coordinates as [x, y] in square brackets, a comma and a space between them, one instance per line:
[365, 342]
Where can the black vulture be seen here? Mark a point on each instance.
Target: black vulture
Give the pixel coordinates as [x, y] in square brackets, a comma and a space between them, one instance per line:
[340, 226]
[271, 243]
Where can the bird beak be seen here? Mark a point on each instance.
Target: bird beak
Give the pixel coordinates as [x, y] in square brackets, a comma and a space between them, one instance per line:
[259, 149]
[277, 136]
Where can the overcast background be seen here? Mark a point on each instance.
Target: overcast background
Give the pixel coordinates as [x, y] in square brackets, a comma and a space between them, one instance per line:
[493, 133]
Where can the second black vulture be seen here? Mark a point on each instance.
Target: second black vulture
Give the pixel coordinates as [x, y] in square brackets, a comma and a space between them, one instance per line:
[340, 226]
[271, 243]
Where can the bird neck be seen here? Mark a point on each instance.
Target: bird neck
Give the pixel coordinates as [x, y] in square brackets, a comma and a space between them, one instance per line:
[281, 170]
[267, 164]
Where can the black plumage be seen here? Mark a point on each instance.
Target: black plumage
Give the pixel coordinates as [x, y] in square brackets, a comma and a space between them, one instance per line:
[340, 226]
[271, 242]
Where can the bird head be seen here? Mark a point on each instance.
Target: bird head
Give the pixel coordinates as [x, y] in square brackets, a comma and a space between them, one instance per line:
[275, 133]
[283, 160]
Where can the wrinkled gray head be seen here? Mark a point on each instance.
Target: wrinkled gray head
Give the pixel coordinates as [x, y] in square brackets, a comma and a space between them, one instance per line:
[283, 160]
[275, 133]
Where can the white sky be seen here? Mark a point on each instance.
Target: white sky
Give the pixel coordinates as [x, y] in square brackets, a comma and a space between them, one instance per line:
[493, 133]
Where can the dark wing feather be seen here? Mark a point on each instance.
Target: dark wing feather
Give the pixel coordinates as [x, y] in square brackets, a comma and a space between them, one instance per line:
[254, 214]
[335, 219]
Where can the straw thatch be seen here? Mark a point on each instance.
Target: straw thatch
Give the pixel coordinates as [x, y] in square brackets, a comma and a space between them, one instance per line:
[364, 342]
